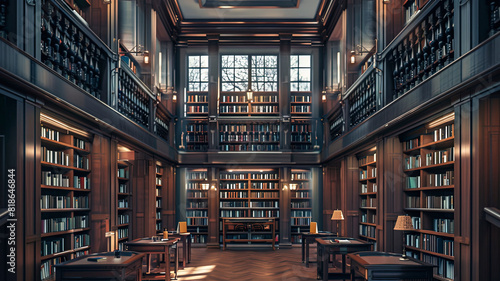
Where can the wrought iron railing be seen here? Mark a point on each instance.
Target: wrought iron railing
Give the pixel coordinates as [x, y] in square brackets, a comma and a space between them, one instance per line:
[362, 98]
[134, 98]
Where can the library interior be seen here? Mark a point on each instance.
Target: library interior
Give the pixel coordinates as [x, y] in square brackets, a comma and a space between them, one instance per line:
[250, 140]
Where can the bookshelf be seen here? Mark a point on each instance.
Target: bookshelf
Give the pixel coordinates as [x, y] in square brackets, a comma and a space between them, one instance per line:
[237, 104]
[429, 167]
[368, 190]
[301, 202]
[197, 205]
[301, 134]
[65, 195]
[197, 135]
[159, 194]
[249, 193]
[300, 103]
[124, 203]
[251, 136]
[196, 104]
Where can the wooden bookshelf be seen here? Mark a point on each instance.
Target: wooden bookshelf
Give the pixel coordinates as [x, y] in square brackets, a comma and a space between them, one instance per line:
[159, 194]
[237, 104]
[196, 103]
[301, 204]
[429, 167]
[124, 203]
[197, 205]
[249, 193]
[300, 103]
[249, 136]
[65, 195]
[301, 135]
[197, 135]
[368, 194]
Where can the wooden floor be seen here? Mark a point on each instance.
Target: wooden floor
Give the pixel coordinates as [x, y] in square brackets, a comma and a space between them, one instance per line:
[252, 264]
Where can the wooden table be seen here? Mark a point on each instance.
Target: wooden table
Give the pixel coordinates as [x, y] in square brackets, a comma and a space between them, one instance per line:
[185, 238]
[308, 238]
[127, 267]
[326, 248]
[249, 224]
[388, 266]
[149, 246]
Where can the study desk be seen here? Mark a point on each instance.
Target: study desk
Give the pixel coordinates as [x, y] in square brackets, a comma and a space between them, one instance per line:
[308, 238]
[248, 225]
[185, 239]
[388, 266]
[150, 246]
[127, 267]
[326, 248]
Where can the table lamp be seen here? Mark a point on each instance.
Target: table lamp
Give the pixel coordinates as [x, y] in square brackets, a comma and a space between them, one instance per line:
[337, 216]
[404, 223]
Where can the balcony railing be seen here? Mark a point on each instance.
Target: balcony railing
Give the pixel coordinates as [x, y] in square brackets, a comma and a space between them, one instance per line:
[362, 98]
[425, 50]
[494, 17]
[161, 123]
[71, 51]
[134, 98]
[336, 125]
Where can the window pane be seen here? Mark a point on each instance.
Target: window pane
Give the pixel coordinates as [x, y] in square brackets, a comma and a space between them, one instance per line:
[294, 61]
[241, 61]
[294, 87]
[227, 74]
[305, 74]
[227, 61]
[204, 75]
[204, 61]
[305, 61]
[241, 74]
[194, 74]
[203, 87]
[193, 87]
[227, 87]
[304, 86]
[294, 74]
[241, 87]
[194, 61]
[272, 61]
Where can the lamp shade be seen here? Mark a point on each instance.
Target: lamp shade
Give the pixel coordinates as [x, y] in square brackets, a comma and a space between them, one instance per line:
[404, 223]
[337, 215]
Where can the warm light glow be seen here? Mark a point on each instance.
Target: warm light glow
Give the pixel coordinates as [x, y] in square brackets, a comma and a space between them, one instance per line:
[293, 186]
[204, 186]
[404, 223]
[159, 68]
[250, 95]
[337, 215]
[174, 97]
[353, 57]
[213, 187]
[49, 120]
[442, 120]
[338, 67]
[323, 95]
[285, 187]
[146, 57]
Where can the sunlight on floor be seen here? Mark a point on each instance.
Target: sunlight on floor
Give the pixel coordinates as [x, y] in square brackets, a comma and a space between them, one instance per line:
[195, 273]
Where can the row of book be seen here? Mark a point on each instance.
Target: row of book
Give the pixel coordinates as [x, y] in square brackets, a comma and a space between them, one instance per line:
[232, 204]
[158, 215]
[413, 182]
[196, 213]
[55, 202]
[443, 225]
[265, 185]
[249, 128]
[123, 203]
[301, 138]
[264, 176]
[197, 137]
[365, 188]
[233, 194]
[228, 137]
[194, 186]
[300, 221]
[47, 268]
[301, 204]
[301, 176]
[255, 194]
[294, 98]
[237, 185]
[197, 109]
[63, 224]
[369, 202]
[301, 194]
[411, 144]
[437, 244]
[81, 162]
[158, 202]
[54, 179]
[55, 157]
[439, 157]
[416, 222]
[197, 147]
[265, 213]
[201, 239]
[412, 162]
[300, 109]
[368, 218]
[249, 147]
[367, 230]
[440, 202]
[447, 178]
[197, 127]
[413, 202]
[81, 182]
[264, 204]
[296, 213]
[197, 204]
[197, 194]
[233, 109]
[81, 240]
[123, 173]
[233, 176]
[233, 213]
[158, 191]
[413, 240]
[265, 109]
[50, 133]
[196, 98]
[444, 267]
[233, 98]
[158, 181]
[81, 253]
[302, 185]
[79, 143]
[367, 159]
[123, 218]
[197, 175]
[80, 202]
[52, 246]
[123, 188]
[122, 233]
[443, 132]
[301, 128]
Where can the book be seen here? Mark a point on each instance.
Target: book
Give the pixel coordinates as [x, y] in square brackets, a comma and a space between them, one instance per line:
[97, 259]
[342, 241]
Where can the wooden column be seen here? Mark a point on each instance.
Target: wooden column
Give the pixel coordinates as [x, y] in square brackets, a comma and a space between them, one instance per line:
[213, 90]
[284, 203]
[213, 209]
[284, 90]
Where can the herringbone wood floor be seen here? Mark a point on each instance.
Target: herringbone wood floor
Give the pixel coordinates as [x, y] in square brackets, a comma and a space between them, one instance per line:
[245, 265]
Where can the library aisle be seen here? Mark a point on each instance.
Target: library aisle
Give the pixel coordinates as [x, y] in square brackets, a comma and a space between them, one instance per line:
[246, 265]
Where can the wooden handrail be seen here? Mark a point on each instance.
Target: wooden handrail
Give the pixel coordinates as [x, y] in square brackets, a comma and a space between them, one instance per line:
[492, 215]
